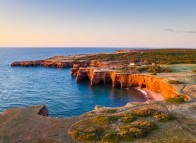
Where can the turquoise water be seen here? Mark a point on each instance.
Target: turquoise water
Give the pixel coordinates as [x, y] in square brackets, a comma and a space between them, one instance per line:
[22, 87]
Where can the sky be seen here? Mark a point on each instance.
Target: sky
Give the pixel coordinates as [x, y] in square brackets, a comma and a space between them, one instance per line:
[98, 23]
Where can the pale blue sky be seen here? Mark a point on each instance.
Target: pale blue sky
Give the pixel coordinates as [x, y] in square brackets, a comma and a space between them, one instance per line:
[98, 23]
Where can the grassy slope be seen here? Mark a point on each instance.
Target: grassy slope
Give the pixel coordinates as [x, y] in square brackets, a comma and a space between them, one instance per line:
[161, 56]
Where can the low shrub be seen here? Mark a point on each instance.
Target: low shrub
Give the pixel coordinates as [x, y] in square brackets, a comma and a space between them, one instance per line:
[109, 111]
[145, 125]
[129, 133]
[105, 120]
[82, 136]
[144, 112]
[136, 129]
[85, 132]
[127, 118]
[175, 82]
[162, 117]
[176, 100]
[111, 137]
[194, 71]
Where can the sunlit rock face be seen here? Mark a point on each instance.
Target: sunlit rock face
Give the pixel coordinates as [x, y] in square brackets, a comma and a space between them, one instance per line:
[123, 80]
[101, 72]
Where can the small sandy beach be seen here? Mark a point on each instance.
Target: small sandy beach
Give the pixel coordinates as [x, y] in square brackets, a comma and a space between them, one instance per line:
[151, 95]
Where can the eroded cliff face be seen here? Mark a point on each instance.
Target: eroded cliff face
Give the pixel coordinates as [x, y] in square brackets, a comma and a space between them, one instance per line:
[51, 63]
[123, 80]
[98, 72]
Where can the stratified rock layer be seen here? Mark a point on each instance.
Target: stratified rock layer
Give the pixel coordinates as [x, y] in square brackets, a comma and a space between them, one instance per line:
[51, 63]
[126, 80]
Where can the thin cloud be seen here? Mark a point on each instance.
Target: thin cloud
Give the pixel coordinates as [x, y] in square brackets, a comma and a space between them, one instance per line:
[180, 31]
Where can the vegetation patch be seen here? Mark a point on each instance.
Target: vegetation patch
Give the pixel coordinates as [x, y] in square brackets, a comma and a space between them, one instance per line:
[111, 137]
[128, 126]
[86, 131]
[152, 69]
[144, 112]
[136, 129]
[158, 56]
[175, 82]
[162, 117]
[194, 71]
[127, 118]
[109, 111]
[105, 120]
[142, 124]
[176, 100]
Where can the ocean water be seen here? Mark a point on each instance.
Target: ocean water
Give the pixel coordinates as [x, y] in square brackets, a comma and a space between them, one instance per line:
[22, 87]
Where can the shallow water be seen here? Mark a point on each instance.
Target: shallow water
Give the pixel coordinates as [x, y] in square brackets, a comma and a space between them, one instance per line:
[21, 87]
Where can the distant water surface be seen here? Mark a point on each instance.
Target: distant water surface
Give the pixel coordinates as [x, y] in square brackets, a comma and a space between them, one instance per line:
[22, 87]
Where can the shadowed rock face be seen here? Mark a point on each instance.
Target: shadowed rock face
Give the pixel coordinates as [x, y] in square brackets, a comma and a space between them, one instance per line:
[127, 80]
[51, 63]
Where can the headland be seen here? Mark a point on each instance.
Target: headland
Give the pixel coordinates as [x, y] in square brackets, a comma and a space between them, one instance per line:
[168, 115]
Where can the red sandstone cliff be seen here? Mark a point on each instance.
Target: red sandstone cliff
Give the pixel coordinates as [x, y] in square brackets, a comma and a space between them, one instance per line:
[127, 80]
[104, 75]
[52, 63]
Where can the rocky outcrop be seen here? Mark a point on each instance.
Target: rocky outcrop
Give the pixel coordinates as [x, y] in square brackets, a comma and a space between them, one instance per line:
[24, 125]
[27, 63]
[125, 80]
[52, 63]
[43, 111]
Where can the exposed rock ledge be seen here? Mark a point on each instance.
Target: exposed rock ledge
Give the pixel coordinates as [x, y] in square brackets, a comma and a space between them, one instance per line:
[24, 125]
[97, 76]
[51, 63]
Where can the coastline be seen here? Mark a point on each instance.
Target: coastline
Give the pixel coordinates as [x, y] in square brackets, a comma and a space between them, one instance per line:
[151, 95]
[34, 125]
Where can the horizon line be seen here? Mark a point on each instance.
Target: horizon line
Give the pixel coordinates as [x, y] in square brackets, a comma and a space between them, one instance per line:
[99, 47]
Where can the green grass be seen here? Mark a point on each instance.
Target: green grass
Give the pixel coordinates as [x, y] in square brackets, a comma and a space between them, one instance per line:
[111, 137]
[151, 69]
[124, 127]
[86, 131]
[136, 129]
[176, 100]
[105, 120]
[127, 118]
[181, 67]
[158, 56]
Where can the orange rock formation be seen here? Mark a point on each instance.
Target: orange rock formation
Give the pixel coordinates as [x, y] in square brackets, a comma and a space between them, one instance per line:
[97, 72]
[51, 63]
[124, 80]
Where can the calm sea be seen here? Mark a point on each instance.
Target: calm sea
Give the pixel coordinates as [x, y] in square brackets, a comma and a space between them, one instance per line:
[22, 87]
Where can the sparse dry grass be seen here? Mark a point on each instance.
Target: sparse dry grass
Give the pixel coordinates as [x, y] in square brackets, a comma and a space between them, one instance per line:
[176, 100]
[175, 82]
[109, 111]
[144, 112]
[128, 126]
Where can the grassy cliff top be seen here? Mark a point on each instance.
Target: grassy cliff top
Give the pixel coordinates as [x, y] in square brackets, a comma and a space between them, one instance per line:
[159, 56]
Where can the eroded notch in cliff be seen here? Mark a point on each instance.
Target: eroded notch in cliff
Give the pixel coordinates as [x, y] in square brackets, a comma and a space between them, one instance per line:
[117, 84]
[143, 85]
[82, 76]
[108, 79]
